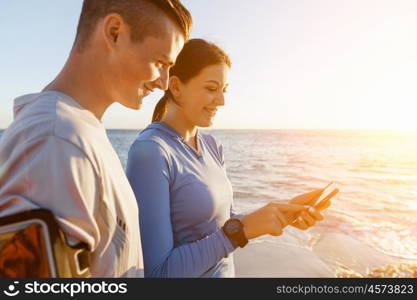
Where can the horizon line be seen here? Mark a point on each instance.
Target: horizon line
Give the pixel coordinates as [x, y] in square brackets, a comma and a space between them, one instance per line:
[335, 129]
[322, 129]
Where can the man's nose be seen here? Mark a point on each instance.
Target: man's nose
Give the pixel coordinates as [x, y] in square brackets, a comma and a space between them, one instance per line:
[163, 80]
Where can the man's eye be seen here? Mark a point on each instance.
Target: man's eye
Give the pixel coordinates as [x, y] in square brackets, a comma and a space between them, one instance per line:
[160, 65]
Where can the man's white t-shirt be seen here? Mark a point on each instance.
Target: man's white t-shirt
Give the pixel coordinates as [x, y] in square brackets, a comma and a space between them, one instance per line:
[56, 155]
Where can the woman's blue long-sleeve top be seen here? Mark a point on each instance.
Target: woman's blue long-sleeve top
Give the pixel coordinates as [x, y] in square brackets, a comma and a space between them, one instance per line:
[184, 199]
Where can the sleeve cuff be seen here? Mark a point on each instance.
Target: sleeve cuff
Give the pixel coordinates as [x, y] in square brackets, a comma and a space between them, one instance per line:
[228, 245]
[238, 216]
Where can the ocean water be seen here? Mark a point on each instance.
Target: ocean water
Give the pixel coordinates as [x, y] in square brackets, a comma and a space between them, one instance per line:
[376, 172]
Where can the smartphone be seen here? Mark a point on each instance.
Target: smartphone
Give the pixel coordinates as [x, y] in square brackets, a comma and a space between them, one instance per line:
[328, 192]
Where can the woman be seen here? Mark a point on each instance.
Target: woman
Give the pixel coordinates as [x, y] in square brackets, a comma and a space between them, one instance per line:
[180, 181]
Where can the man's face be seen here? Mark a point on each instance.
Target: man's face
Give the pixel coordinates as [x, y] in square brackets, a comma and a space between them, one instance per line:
[141, 67]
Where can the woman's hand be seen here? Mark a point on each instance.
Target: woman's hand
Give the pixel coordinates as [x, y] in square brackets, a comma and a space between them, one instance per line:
[309, 198]
[307, 219]
[271, 219]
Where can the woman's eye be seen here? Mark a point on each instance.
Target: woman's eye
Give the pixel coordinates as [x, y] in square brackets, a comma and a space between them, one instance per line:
[211, 89]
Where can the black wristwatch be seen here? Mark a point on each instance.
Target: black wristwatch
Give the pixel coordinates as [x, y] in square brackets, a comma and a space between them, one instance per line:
[233, 229]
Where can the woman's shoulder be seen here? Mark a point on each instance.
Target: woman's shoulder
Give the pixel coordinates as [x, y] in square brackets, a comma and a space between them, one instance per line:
[153, 139]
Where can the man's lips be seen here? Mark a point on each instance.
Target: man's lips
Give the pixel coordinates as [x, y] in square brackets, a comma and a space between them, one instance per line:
[147, 91]
[211, 112]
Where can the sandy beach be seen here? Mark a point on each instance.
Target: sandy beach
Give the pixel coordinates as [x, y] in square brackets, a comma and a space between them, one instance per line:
[328, 254]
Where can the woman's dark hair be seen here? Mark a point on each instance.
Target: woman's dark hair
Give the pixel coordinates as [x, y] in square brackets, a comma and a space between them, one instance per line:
[196, 55]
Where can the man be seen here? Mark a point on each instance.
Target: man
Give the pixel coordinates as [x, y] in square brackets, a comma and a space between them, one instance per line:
[56, 154]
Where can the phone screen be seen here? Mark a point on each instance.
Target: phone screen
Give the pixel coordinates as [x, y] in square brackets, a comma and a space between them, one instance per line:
[23, 252]
[328, 192]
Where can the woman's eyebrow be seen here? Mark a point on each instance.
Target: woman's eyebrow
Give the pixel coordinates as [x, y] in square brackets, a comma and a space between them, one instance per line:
[216, 82]
[213, 81]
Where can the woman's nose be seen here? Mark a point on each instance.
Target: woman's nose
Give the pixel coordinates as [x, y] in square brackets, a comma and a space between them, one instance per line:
[220, 99]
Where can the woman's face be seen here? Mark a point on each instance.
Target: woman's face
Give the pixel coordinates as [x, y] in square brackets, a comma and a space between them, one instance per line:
[201, 96]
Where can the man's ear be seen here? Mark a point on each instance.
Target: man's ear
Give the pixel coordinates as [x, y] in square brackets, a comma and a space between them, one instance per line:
[112, 27]
[175, 86]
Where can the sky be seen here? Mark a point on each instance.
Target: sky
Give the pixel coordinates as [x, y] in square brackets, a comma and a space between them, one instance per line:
[297, 64]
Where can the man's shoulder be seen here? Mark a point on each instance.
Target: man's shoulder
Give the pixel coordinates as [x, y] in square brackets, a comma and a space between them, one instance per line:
[77, 125]
[46, 114]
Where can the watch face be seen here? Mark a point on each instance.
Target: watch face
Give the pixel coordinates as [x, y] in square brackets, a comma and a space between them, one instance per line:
[233, 227]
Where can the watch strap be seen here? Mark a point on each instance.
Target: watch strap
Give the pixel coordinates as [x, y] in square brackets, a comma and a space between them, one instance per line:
[238, 237]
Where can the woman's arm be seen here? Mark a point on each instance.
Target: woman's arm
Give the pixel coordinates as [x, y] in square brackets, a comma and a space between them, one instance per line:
[148, 171]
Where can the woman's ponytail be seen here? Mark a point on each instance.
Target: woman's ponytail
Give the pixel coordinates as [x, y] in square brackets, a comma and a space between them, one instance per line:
[160, 108]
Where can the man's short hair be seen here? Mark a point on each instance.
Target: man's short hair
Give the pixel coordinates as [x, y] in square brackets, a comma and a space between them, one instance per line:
[142, 16]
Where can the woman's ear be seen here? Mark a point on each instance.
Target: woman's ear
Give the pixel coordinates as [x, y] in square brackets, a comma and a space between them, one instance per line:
[175, 86]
